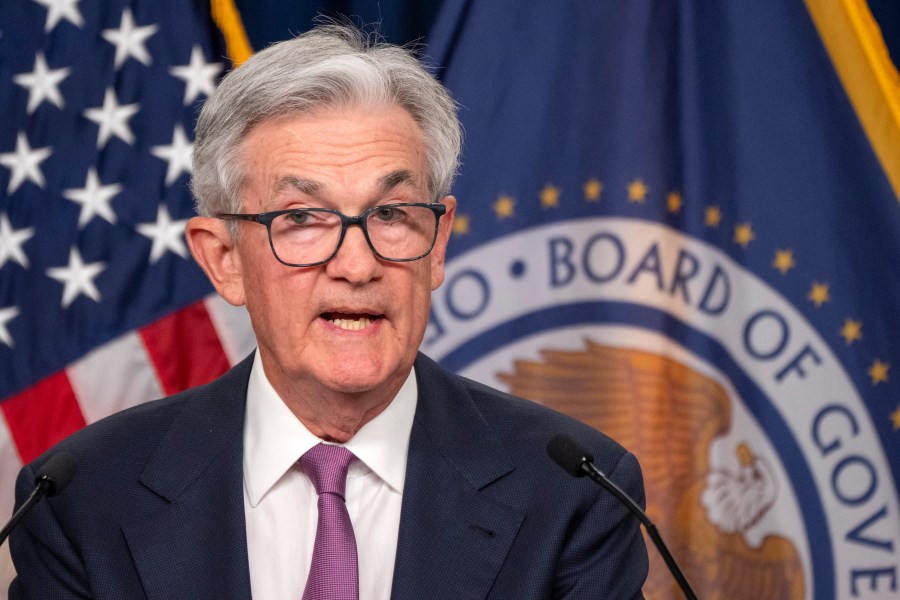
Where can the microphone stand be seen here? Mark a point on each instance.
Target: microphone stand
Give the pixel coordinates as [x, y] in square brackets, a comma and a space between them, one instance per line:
[43, 486]
[594, 473]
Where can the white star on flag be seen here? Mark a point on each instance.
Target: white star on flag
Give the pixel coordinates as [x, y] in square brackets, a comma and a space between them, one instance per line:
[178, 154]
[6, 315]
[77, 277]
[166, 235]
[94, 199]
[11, 241]
[42, 83]
[61, 9]
[129, 40]
[24, 163]
[199, 76]
[112, 119]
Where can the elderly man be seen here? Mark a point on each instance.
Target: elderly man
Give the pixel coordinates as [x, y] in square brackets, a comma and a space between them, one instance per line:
[336, 461]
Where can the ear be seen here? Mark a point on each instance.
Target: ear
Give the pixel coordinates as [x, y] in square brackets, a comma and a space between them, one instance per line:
[216, 253]
[439, 252]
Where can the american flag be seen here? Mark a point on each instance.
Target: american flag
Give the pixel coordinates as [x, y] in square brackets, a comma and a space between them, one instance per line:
[101, 305]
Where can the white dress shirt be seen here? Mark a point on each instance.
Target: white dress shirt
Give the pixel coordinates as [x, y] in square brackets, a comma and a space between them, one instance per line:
[280, 503]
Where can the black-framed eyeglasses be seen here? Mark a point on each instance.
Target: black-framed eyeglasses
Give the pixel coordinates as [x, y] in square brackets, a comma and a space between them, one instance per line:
[307, 237]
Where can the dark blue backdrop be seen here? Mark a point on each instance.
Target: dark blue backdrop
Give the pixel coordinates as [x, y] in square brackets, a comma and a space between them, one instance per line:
[403, 21]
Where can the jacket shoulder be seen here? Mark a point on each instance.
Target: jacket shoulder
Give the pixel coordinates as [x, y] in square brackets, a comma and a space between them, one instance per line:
[523, 426]
[136, 431]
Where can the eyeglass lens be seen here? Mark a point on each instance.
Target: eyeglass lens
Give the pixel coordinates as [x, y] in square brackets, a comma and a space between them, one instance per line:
[395, 233]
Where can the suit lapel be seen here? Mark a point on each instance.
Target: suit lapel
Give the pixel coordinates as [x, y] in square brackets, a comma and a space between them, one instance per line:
[454, 537]
[196, 546]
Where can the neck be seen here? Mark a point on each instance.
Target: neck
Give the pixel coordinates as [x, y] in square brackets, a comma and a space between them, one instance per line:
[334, 415]
[337, 419]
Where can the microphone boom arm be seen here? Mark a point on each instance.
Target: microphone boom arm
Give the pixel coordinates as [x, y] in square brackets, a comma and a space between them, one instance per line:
[52, 477]
[588, 468]
[42, 487]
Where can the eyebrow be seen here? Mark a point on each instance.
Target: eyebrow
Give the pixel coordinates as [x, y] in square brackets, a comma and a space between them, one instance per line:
[305, 186]
[396, 178]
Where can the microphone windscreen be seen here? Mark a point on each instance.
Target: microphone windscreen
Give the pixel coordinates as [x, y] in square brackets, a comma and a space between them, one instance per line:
[568, 454]
[57, 472]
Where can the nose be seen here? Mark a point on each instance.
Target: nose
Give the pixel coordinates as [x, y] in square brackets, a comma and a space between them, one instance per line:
[355, 261]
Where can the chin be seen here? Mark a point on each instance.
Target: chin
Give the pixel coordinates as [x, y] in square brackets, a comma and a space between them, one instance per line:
[351, 375]
[359, 373]
[352, 388]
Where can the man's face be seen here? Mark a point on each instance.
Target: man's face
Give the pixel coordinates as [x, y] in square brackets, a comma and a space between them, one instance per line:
[354, 324]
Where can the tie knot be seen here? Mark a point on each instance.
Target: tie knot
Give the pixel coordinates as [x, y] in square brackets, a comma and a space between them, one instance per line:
[326, 466]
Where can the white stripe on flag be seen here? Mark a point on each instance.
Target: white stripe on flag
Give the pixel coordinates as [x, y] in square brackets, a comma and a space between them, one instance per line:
[10, 463]
[7, 571]
[233, 326]
[9, 469]
[115, 376]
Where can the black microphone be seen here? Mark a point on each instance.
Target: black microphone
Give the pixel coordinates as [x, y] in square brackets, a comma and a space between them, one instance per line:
[577, 461]
[52, 477]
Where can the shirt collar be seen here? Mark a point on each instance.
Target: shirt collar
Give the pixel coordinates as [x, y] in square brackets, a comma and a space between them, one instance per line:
[274, 439]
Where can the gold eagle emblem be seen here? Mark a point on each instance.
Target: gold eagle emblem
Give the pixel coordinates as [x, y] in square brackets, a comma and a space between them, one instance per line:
[668, 415]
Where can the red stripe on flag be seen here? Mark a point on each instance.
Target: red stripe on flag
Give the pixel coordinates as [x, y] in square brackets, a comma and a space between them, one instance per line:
[42, 415]
[185, 349]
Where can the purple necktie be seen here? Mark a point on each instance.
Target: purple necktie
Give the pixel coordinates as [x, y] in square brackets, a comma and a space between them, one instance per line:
[334, 574]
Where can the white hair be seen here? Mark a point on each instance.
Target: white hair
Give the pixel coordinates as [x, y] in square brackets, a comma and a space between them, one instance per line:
[333, 65]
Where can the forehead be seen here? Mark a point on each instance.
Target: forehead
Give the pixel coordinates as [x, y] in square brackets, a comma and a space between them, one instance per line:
[335, 148]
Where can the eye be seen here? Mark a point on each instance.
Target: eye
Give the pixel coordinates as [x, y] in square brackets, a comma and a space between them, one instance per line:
[298, 217]
[386, 214]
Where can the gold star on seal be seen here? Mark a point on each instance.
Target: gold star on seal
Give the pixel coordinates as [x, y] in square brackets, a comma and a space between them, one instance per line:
[504, 207]
[851, 331]
[819, 294]
[784, 261]
[743, 235]
[592, 189]
[878, 372]
[712, 216]
[549, 196]
[674, 202]
[637, 191]
[895, 419]
[461, 225]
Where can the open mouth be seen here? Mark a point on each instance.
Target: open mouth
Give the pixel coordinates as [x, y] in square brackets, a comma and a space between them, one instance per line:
[350, 321]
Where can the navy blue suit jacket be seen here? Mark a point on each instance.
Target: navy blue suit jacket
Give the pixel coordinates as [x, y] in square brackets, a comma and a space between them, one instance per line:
[156, 508]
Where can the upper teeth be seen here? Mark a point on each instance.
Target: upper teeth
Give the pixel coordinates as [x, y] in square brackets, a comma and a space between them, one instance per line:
[352, 324]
